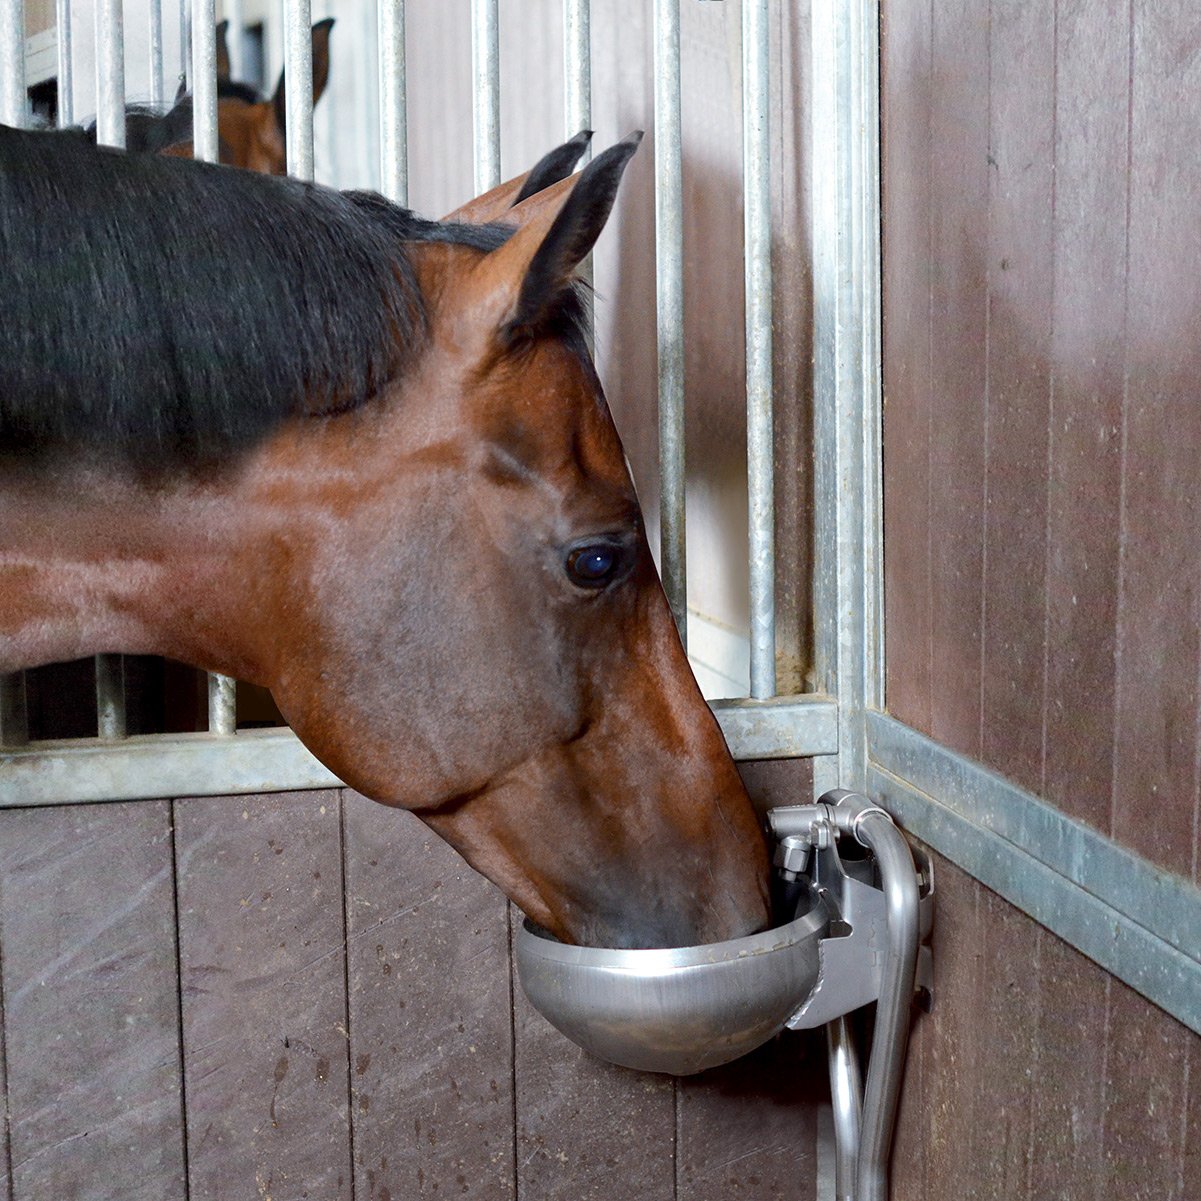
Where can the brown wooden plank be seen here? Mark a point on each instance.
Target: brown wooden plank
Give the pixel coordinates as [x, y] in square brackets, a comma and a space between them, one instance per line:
[748, 1129]
[959, 299]
[1068, 1075]
[1088, 345]
[1146, 1100]
[91, 1008]
[951, 1042]
[586, 1130]
[906, 228]
[1159, 621]
[430, 1022]
[1020, 274]
[263, 994]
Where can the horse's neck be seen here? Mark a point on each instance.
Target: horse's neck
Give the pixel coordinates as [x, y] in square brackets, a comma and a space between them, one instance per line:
[90, 563]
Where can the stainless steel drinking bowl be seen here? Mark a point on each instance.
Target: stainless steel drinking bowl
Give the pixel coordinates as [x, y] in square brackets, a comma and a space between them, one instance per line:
[679, 1010]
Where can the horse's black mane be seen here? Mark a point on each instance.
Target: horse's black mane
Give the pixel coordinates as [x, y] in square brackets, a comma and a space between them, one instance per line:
[161, 311]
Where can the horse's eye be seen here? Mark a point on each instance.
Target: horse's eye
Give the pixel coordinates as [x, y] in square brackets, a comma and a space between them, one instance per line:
[593, 565]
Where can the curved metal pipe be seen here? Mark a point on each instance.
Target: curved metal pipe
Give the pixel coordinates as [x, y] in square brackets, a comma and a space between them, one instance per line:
[846, 1095]
[874, 829]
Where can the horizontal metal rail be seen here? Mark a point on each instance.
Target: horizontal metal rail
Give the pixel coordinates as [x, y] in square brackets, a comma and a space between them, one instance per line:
[151, 766]
[1137, 921]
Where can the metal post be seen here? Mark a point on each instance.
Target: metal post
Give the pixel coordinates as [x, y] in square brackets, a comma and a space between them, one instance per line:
[223, 710]
[298, 86]
[756, 175]
[65, 83]
[14, 103]
[846, 1102]
[669, 309]
[485, 70]
[393, 102]
[577, 67]
[185, 44]
[205, 145]
[845, 251]
[110, 73]
[157, 88]
[14, 110]
[236, 16]
[110, 696]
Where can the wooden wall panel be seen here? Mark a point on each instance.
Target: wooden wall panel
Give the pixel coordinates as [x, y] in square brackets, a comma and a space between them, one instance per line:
[90, 1005]
[263, 988]
[1037, 1076]
[1041, 558]
[430, 1015]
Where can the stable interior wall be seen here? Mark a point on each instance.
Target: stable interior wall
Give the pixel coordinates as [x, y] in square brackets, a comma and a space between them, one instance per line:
[1042, 433]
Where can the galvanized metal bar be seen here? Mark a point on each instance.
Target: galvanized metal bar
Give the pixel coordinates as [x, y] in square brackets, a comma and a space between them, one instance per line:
[756, 176]
[223, 697]
[847, 407]
[205, 143]
[14, 103]
[14, 111]
[577, 67]
[185, 44]
[14, 722]
[393, 102]
[298, 86]
[155, 48]
[235, 14]
[110, 696]
[846, 1092]
[485, 71]
[669, 309]
[206, 146]
[1138, 922]
[142, 766]
[110, 73]
[65, 79]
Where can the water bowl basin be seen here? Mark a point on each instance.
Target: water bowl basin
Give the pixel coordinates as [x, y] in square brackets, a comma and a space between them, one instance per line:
[678, 1010]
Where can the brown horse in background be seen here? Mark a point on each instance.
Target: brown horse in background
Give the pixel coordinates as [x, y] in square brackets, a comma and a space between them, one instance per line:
[309, 440]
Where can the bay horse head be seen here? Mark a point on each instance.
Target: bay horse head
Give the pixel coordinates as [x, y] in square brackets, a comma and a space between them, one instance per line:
[365, 460]
[252, 131]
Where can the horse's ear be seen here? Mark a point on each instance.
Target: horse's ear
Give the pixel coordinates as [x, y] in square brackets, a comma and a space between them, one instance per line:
[222, 50]
[494, 205]
[320, 72]
[321, 33]
[556, 228]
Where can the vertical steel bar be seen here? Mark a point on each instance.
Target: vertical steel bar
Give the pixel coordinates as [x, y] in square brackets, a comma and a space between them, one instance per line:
[222, 690]
[756, 175]
[846, 1098]
[485, 70]
[110, 696]
[185, 44]
[577, 66]
[110, 73]
[845, 232]
[14, 103]
[65, 82]
[205, 144]
[298, 74]
[110, 131]
[393, 102]
[155, 42]
[236, 16]
[669, 309]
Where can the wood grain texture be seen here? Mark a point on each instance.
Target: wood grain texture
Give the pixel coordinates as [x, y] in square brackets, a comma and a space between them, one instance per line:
[262, 978]
[1021, 73]
[905, 130]
[430, 1019]
[90, 1005]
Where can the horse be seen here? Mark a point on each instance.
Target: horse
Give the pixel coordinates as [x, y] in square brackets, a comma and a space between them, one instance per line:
[311, 440]
[251, 131]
